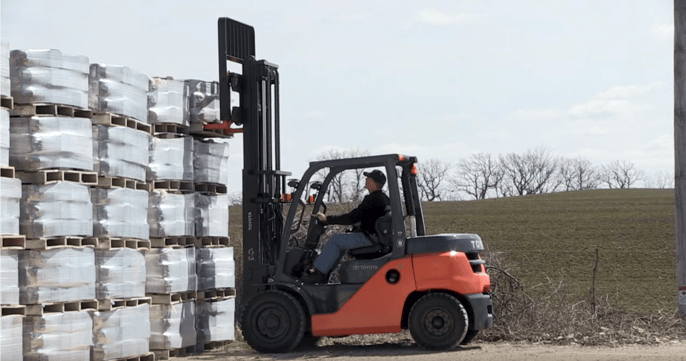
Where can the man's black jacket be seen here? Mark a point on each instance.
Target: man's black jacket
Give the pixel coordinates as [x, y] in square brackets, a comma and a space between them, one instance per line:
[373, 206]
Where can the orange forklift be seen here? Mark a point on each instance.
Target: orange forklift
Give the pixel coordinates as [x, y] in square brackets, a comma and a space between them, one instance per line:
[434, 285]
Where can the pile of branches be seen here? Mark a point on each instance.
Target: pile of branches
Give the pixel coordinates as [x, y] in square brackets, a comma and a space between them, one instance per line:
[547, 314]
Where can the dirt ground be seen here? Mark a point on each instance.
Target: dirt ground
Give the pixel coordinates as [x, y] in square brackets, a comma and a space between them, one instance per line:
[473, 352]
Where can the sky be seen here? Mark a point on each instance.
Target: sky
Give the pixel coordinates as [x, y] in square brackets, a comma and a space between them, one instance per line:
[435, 79]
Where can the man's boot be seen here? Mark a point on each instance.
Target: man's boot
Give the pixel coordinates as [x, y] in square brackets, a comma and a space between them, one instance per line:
[315, 277]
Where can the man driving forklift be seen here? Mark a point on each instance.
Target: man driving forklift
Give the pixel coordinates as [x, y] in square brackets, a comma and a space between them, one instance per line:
[373, 206]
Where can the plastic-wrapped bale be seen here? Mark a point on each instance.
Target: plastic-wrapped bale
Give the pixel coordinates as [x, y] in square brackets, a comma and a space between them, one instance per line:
[10, 197]
[210, 162]
[204, 101]
[171, 215]
[172, 326]
[5, 86]
[49, 76]
[120, 212]
[4, 137]
[168, 102]
[170, 270]
[56, 209]
[215, 320]
[120, 152]
[11, 334]
[120, 273]
[216, 268]
[58, 337]
[121, 333]
[118, 89]
[171, 159]
[56, 275]
[213, 215]
[9, 277]
[51, 142]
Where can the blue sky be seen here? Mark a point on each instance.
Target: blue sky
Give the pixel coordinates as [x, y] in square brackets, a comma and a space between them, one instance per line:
[436, 79]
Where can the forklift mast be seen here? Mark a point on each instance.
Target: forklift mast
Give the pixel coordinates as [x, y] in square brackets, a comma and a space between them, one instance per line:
[263, 180]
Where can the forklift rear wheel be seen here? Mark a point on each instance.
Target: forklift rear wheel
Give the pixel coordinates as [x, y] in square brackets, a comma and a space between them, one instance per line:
[438, 321]
[273, 321]
[469, 336]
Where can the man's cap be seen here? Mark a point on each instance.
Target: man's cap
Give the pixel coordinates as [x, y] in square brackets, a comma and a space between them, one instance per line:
[377, 176]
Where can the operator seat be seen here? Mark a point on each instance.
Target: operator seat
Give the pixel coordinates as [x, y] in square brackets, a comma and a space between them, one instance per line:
[369, 259]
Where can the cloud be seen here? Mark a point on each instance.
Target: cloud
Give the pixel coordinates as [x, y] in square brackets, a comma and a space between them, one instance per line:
[624, 91]
[535, 114]
[604, 107]
[664, 32]
[358, 16]
[440, 18]
[314, 114]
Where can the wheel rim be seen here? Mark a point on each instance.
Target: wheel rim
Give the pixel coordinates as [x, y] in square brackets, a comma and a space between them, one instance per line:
[438, 322]
[272, 322]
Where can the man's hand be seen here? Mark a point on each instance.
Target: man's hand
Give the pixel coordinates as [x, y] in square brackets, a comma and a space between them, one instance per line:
[321, 217]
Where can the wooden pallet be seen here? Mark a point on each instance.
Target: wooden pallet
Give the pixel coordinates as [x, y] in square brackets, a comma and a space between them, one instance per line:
[150, 356]
[32, 110]
[111, 304]
[216, 294]
[199, 130]
[213, 242]
[110, 119]
[121, 182]
[6, 102]
[6, 172]
[13, 242]
[109, 243]
[58, 242]
[8, 310]
[211, 188]
[166, 130]
[177, 352]
[60, 307]
[173, 186]
[161, 242]
[172, 298]
[48, 176]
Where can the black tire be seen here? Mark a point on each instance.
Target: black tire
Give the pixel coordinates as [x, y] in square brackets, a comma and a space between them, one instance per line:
[438, 321]
[309, 341]
[469, 336]
[273, 321]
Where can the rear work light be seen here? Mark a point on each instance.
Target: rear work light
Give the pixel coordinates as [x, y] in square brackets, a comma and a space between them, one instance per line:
[415, 170]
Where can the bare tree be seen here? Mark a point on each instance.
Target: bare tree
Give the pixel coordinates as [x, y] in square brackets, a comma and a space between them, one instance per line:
[661, 179]
[348, 185]
[431, 177]
[477, 175]
[356, 185]
[530, 173]
[577, 174]
[620, 174]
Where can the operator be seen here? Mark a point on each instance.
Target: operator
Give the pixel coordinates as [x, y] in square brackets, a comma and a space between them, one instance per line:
[373, 206]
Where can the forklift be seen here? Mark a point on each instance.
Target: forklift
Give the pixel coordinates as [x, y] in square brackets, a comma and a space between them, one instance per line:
[434, 285]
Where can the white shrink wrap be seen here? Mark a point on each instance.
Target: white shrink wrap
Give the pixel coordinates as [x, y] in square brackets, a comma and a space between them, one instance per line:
[64, 336]
[56, 209]
[172, 326]
[10, 197]
[11, 334]
[216, 268]
[120, 273]
[170, 270]
[168, 102]
[171, 215]
[9, 277]
[120, 212]
[4, 137]
[204, 101]
[56, 275]
[212, 217]
[171, 159]
[49, 76]
[51, 142]
[5, 87]
[210, 162]
[215, 320]
[120, 152]
[121, 333]
[118, 89]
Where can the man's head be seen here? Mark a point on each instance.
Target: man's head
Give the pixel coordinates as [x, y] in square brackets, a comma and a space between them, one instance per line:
[375, 180]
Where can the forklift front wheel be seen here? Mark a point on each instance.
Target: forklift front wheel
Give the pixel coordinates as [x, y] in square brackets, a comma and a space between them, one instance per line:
[273, 321]
[438, 321]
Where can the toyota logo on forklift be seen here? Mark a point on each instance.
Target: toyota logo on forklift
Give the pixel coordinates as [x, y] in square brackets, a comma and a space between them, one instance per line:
[434, 285]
